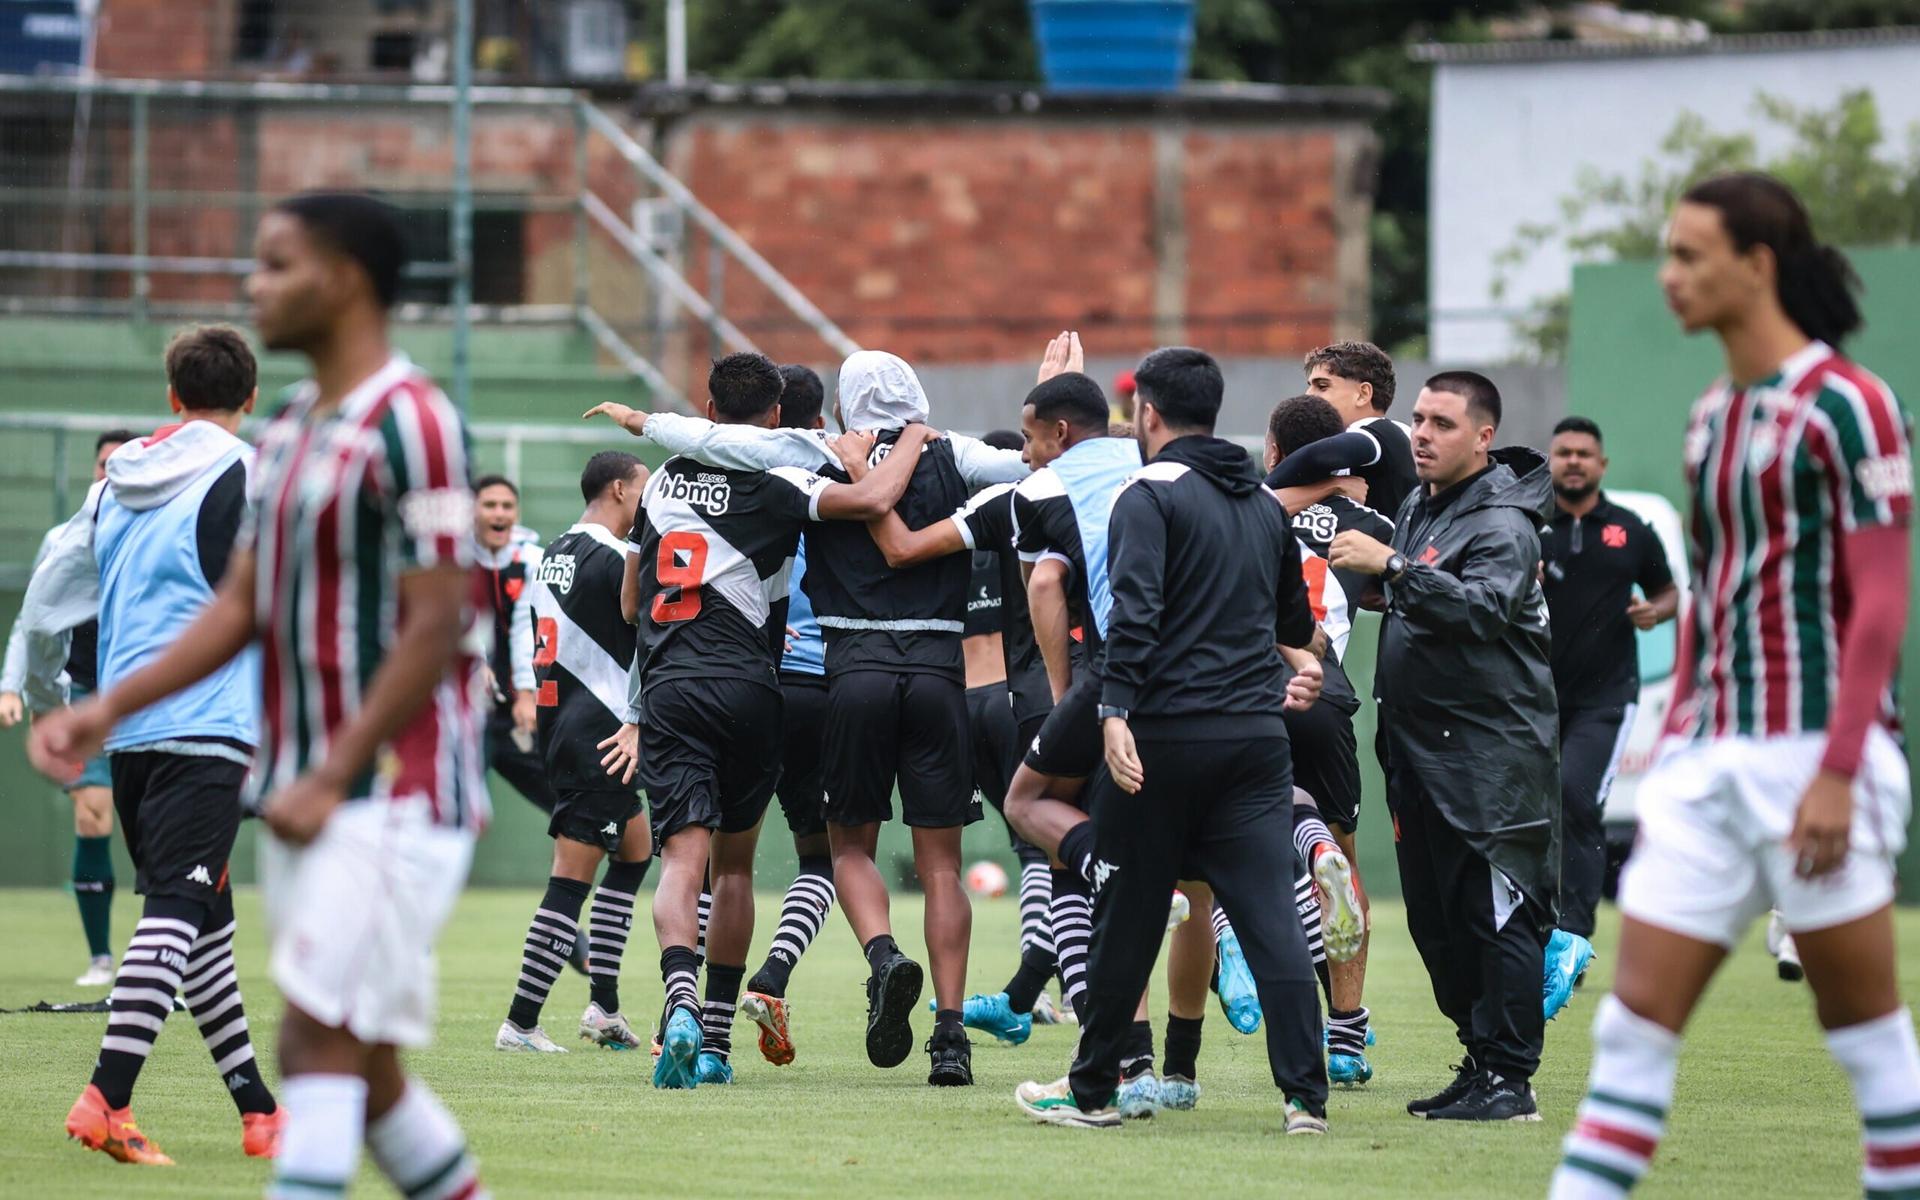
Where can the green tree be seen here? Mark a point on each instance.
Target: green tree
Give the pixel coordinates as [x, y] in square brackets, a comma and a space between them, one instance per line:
[1858, 190]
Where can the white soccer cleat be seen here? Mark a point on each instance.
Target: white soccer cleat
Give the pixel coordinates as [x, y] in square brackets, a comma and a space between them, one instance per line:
[1343, 925]
[1786, 955]
[532, 1041]
[1044, 1013]
[607, 1029]
[99, 973]
[1178, 910]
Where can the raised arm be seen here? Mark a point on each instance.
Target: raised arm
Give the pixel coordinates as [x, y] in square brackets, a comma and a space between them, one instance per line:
[982, 465]
[1310, 463]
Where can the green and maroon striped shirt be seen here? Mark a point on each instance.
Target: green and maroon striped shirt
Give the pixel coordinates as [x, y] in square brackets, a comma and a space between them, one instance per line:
[345, 503]
[1779, 474]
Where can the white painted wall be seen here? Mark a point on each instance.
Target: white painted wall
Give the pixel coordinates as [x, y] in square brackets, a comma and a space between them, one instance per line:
[1509, 141]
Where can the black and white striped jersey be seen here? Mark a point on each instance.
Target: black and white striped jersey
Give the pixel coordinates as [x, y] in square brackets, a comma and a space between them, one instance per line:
[1044, 527]
[583, 650]
[716, 548]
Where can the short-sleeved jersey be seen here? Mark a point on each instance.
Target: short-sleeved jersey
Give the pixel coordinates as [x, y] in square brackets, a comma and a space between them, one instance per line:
[582, 651]
[716, 548]
[1043, 525]
[1779, 474]
[986, 526]
[1589, 568]
[345, 502]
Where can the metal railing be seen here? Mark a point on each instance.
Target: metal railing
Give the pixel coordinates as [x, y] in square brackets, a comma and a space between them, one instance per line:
[593, 214]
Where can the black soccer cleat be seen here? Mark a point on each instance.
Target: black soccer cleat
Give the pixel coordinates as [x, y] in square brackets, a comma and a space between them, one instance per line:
[1465, 1072]
[892, 991]
[1491, 1098]
[952, 1056]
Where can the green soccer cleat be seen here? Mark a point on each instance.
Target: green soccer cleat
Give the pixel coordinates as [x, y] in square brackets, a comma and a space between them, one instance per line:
[1053, 1104]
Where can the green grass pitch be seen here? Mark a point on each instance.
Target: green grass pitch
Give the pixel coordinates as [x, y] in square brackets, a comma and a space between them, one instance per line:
[1761, 1111]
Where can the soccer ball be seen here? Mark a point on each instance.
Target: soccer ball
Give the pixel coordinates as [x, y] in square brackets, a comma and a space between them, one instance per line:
[987, 879]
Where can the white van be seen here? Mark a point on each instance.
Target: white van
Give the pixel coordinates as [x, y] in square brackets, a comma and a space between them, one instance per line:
[1657, 647]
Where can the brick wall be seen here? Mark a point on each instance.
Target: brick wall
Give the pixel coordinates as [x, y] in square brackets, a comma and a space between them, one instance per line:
[164, 39]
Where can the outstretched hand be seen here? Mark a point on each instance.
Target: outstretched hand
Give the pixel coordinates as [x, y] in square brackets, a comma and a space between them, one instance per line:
[1063, 354]
[626, 417]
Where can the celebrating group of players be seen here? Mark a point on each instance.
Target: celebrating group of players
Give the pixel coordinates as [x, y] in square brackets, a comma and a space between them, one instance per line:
[298, 625]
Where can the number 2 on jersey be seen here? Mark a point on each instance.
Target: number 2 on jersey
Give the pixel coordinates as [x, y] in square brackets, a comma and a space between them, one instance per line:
[681, 568]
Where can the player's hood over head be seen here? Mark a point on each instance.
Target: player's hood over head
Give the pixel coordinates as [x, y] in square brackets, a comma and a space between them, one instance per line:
[1224, 464]
[880, 391]
[147, 472]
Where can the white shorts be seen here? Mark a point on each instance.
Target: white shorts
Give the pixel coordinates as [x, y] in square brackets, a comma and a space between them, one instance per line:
[354, 915]
[1714, 818]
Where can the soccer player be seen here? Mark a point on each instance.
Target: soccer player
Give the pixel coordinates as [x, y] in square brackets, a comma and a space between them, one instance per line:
[895, 682]
[509, 557]
[1206, 781]
[91, 791]
[1357, 379]
[355, 573]
[1593, 554]
[802, 787]
[1326, 760]
[141, 561]
[1780, 782]
[584, 652]
[714, 547]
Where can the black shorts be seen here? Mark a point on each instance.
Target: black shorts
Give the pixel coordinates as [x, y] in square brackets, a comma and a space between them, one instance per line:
[1069, 745]
[180, 814]
[1326, 762]
[597, 818]
[802, 790]
[709, 753]
[884, 726]
[524, 769]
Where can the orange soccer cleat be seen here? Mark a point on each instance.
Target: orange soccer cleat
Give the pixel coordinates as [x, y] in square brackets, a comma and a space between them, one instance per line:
[770, 1014]
[111, 1131]
[260, 1132]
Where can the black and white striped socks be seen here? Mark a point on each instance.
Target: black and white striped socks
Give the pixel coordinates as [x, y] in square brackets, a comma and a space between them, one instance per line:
[716, 1015]
[211, 988]
[1036, 895]
[803, 913]
[1072, 913]
[550, 939]
[610, 924]
[143, 992]
[680, 971]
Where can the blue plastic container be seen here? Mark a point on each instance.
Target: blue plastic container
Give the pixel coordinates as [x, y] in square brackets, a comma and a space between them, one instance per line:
[1113, 45]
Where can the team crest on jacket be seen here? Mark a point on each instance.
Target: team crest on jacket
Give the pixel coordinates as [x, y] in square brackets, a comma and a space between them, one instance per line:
[1614, 536]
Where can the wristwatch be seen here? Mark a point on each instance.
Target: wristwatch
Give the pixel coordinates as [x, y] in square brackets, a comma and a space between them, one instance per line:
[1109, 711]
[1396, 567]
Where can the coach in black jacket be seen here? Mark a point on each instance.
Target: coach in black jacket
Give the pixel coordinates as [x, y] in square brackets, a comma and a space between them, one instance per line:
[1467, 705]
[1205, 577]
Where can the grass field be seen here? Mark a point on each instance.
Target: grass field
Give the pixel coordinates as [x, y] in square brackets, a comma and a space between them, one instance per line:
[1760, 1112]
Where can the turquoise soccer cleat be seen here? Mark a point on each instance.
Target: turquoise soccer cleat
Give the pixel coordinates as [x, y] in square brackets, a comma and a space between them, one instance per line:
[1567, 956]
[994, 1014]
[1238, 999]
[711, 1068]
[679, 1051]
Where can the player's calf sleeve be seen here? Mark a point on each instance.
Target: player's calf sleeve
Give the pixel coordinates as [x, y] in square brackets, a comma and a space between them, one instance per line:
[1625, 1112]
[716, 1013]
[143, 991]
[1036, 893]
[803, 913]
[93, 891]
[320, 1142]
[609, 924]
[1072, 913]
[211, 988]
[1076, 850]
[1883, 1063]
[1136, 1057]
[550, 940]
[418, 1146]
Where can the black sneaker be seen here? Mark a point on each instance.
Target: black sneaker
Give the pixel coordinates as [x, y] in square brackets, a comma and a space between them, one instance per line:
[892, 991]
[952, 1056]
[1491, 1098]
[1464, 1074]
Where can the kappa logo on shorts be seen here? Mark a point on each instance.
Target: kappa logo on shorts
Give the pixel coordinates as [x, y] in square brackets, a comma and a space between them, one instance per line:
[200, 875]
[611, 829]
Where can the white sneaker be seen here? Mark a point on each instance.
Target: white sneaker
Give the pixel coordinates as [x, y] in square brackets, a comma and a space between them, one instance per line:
[99, 973]
[535, 1040]
[1043, 1011]
[1786, 956]
[607, 1029]
[1053, 1104]
[1342, 922]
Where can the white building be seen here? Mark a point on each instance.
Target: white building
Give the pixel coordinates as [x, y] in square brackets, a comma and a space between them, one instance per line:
[1515, 124]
